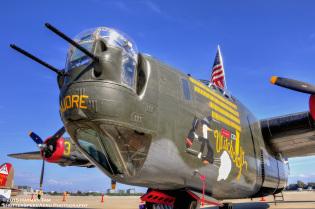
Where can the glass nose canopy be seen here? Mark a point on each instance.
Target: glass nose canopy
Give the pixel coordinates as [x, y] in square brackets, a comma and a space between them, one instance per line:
[111, 37]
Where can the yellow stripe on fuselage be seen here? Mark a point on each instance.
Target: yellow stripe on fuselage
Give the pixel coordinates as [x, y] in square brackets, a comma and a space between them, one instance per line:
[226, 121]
[224, 112]
[215, 100]
[234, 112]
[201, 85]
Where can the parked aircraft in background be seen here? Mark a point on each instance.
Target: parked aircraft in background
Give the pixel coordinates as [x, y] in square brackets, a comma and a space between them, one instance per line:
[6, 183]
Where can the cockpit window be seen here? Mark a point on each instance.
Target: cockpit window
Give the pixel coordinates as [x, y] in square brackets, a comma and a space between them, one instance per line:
[112, 38]
[129, 53]
[92, 143]
[77, 58]
[128, 71]
[117, 150]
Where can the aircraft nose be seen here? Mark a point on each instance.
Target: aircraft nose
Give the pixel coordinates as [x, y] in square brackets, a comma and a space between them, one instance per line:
[90, 100]
[110, 63]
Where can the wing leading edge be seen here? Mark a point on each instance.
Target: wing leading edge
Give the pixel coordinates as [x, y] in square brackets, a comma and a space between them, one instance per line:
[75, 159]
[27, 155]
[291, 135]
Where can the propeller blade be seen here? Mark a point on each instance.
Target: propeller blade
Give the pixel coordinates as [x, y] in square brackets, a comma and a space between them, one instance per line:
[42, 176]
[57, 135]
[293, 84]
[36, 138]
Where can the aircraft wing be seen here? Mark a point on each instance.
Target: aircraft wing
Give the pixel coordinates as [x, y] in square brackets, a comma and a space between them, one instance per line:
[292, 135]
[27, 155]
[75, 159]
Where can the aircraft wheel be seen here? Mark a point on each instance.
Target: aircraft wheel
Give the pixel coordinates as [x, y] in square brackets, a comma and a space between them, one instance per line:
[157, 206]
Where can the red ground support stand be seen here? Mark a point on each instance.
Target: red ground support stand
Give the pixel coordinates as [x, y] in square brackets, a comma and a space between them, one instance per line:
[32, 198]
[203, 179]
[102, 198]
[158, 197]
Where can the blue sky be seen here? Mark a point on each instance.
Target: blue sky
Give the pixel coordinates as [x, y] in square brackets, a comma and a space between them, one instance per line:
[258, 39]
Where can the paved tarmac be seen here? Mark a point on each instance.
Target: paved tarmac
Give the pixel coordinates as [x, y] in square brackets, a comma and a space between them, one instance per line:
[293, 200]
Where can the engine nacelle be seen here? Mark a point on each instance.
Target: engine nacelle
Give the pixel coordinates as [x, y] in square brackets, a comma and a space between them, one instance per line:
[58, 151]
[312, 106]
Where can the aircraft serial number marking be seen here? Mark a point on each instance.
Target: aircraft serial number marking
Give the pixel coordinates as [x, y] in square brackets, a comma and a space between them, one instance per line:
[235, 150]
[73, 101]
[223, 112]
[207, 95]
[201, 85]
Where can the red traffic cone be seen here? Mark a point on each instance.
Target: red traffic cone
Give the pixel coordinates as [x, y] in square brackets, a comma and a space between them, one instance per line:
[262, 199]
[32, 198]
[64, 197]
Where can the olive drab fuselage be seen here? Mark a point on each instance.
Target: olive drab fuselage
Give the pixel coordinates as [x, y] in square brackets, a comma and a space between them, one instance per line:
[143, 123]
[167, 130]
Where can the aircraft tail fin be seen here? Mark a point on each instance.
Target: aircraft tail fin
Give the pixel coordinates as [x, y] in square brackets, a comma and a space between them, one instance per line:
[218, 74]
[6, 175]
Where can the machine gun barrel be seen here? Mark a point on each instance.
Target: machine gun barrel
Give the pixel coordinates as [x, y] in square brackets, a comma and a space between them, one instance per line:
[22, 51]
[72, 42]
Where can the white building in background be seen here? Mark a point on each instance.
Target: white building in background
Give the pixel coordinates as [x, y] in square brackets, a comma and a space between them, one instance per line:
[131, 191]
[25, 189]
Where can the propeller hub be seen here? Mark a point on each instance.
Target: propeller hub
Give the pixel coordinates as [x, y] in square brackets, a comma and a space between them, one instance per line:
[53, 151]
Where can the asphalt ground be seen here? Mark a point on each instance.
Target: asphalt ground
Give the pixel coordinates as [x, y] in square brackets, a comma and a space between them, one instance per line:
[305, 199]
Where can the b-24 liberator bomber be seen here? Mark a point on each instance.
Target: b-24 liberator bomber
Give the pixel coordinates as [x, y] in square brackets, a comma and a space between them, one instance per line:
[143, 123]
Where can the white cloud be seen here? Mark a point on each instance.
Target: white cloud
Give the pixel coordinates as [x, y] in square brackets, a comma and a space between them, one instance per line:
[153, 6]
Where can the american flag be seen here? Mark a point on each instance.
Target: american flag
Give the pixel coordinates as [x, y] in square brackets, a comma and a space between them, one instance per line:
[218, 75]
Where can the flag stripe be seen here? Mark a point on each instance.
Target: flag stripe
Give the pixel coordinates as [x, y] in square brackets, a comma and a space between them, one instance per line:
[217, 75]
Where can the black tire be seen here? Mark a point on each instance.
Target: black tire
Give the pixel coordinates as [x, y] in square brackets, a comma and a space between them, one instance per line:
[156, 206]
